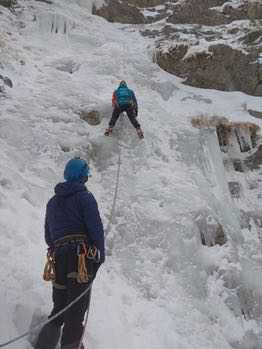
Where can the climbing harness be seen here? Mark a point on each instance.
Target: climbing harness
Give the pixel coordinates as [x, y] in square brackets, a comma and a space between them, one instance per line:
[49, 270]
[82, 275]
[84, 252]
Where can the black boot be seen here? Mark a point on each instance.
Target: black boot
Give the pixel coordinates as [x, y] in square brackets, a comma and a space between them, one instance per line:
[108, 131]
[48, 337]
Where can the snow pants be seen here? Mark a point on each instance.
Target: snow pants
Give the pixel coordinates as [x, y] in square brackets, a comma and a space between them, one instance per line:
[130, 113]
[65, 290]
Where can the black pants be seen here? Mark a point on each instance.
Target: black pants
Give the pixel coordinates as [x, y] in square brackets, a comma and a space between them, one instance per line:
[65, 290]
[130, 113]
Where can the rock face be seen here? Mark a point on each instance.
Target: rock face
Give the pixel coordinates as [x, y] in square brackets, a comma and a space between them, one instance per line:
[221, 67]
[6, 81]
[198, 12]
[211, 231]
[204, 12]
[186, 42]
[254, 161]
[254, 10]
[7, 3]
[122, 12]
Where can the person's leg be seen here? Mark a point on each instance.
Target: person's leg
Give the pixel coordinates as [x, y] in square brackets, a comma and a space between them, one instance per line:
[132, 117]
[115, 116]
[49, 335]
[74, 316]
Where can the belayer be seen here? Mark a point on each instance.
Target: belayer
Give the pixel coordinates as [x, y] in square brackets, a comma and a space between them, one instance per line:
[124, 100]
[75, 238]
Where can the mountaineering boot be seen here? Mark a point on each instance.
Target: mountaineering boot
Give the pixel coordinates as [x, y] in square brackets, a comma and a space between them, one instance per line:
[140, 133]
[108, 131]
[48, 337]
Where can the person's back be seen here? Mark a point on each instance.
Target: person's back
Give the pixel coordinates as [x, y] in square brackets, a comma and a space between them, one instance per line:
[124, 97]
[73, 209]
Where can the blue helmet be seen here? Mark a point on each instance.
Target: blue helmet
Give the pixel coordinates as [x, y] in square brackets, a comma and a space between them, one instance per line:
[76, 170]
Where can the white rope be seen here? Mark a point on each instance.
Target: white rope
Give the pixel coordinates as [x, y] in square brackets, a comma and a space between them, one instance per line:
[43, 323]
[85, 323]
[112, 213]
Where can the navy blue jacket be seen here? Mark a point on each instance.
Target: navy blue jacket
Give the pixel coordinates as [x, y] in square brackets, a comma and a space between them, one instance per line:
[73, 209]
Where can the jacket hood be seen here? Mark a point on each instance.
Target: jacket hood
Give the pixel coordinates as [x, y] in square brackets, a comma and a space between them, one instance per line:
[124, 87]
[69, 188]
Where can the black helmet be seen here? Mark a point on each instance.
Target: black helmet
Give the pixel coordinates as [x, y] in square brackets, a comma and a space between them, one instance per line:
[123, 83]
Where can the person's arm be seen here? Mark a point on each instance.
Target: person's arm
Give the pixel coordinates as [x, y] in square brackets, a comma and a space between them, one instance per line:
[135, 102]
[48, 239]
[114, 99]
[93, 222]
[134, 98]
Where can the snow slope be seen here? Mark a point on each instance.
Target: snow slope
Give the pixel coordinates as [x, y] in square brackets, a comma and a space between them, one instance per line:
[159, 287]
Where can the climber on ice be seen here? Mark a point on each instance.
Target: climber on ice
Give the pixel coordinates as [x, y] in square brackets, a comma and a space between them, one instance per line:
[124, 100]
[75, 238]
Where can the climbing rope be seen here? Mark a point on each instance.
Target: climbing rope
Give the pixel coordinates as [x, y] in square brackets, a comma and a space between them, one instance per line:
[43, 323]
[85, 323]
[112, 213]
[49, 269]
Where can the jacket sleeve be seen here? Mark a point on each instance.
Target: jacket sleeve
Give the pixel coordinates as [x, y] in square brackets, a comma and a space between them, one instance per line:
[48, 239]
[134, 98]
[93, 222]
[114, 99]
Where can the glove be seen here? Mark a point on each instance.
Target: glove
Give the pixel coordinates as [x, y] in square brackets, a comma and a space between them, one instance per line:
[50, 250]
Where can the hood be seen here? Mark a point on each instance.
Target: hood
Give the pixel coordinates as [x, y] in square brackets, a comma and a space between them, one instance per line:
[69, 188]
[122, 87]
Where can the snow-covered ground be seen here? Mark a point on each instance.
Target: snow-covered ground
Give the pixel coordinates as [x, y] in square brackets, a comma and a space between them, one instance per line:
[160, 288]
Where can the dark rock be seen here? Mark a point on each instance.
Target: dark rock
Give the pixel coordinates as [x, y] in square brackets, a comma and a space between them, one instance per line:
[258, 90]
[45, 1]
[6, 81]
[254, 161]
[238, 166]
[253, 37]
[7, 3]
[211, 231]
[233, 31]
[255, 113]
[254, 10]
[198, 12]
[91, 117]
[145, 3]
[236, 13]
[235, 189]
